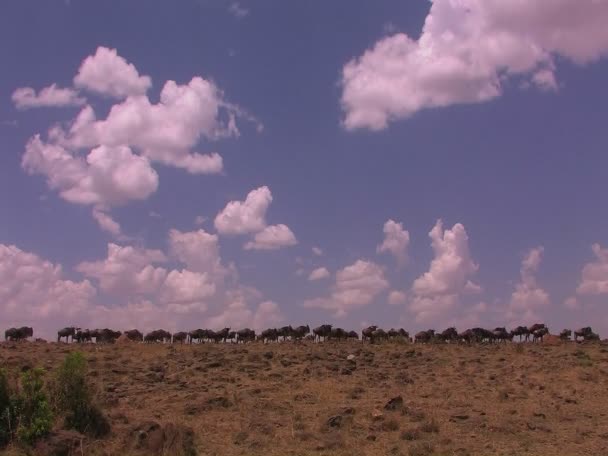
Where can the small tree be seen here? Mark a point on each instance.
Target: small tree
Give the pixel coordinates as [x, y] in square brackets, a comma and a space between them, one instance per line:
[75, 400]
[34, 415]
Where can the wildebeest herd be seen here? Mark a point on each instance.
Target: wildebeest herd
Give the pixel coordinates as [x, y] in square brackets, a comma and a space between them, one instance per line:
[371, 334]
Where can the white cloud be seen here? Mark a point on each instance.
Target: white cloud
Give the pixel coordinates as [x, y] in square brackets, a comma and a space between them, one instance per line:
[319, 273]
[109, 176]
[237, 10]
[242, 217]
[165, 132]
[528, 298]
[594, 278]
[51, 96]
[107, 223]
[468, 49]
[438, 290]
[396, 298]
[33, 289]
[107, 73]
[199, 251]
[356, 286]
[127, 270]
[272, 238]
[396, 241]
[317, 251]
[187, 289]
[572, 303]
[268, 314]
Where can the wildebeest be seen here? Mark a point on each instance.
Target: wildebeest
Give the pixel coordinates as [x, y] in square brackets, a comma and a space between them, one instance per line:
[134, 334]
[217, 336]
[285, 332]
[534, 329]
[582, 332]
[425, 336]
[378, 335]
[158, 335]
[337, 334]
[322, 331]
[198, 334]
[82, 336]
[21, 333]
[353, 335]
[449, 335]
[366, 333]
[521, 331]
[269, 335]
[68, 332]
[566, 334]
[501, 335]
[107, 336]
[180, 337]
[245, 335]
[539, 334]
[300, 332]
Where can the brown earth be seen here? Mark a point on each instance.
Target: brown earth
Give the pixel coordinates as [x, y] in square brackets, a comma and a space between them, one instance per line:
[305, 399]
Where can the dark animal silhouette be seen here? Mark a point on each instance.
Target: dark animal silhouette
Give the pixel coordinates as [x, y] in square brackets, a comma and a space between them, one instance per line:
[68, 332]
[566, 334]
[180, 337]
[425, 336]
[269, 335]
[582, 332]
[300, 332]
[449, 335]
[134, 335]
[82, 336]
[366, 334]
[16, 334]
[245, 335]
[322, 331]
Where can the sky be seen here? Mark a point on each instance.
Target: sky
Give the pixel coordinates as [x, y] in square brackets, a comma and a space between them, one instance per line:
[212, 163]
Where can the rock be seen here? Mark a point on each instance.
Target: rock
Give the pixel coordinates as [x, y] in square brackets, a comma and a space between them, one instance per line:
[459, 417]
[335, 421]
[395, 403]
[60, 443]
[268, 355]
[150, 438]
[377, 414]
[351, 357]
[371, 438]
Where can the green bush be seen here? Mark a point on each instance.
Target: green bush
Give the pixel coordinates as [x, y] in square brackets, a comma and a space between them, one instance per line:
[74, 398]
[6, 410]
[34, 415]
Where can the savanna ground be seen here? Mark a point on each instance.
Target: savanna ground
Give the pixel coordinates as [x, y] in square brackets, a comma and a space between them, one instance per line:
[305, 399]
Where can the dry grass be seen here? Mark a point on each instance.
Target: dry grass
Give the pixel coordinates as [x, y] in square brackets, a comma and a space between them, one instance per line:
[304, 399]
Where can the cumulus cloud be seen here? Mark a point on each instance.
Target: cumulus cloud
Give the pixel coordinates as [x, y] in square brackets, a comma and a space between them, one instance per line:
[107, 73]
[317, 251]
[108, 176]
[396, 241]
[438, 290]
[107, 161]
[467, 52]
[33, 289]
[528, 298]
[594, 278]
[199, 251]
[319, 273]
[51, 96]
[107, 223]
[127, 270]
[356, 286]
[396, 298]
[242, 217]
[237, 10]
[272, 238]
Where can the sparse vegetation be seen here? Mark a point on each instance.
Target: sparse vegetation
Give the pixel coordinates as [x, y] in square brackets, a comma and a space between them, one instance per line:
[34, 417]
[73, 398]
[6, 409]
[233, 399]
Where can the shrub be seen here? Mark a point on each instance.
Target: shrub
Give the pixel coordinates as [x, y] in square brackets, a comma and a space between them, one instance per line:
[34, 415]
[6, 410]
[74, 398]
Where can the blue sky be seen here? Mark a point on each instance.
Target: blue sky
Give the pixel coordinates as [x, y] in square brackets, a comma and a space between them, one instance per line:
[350, 114]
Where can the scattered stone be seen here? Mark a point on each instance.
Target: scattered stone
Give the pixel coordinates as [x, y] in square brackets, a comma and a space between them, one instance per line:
[335, 421]
[351, 357]
[377, 414]
[60, 443]
[395, 403]
[268, 355]
[459, 417]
